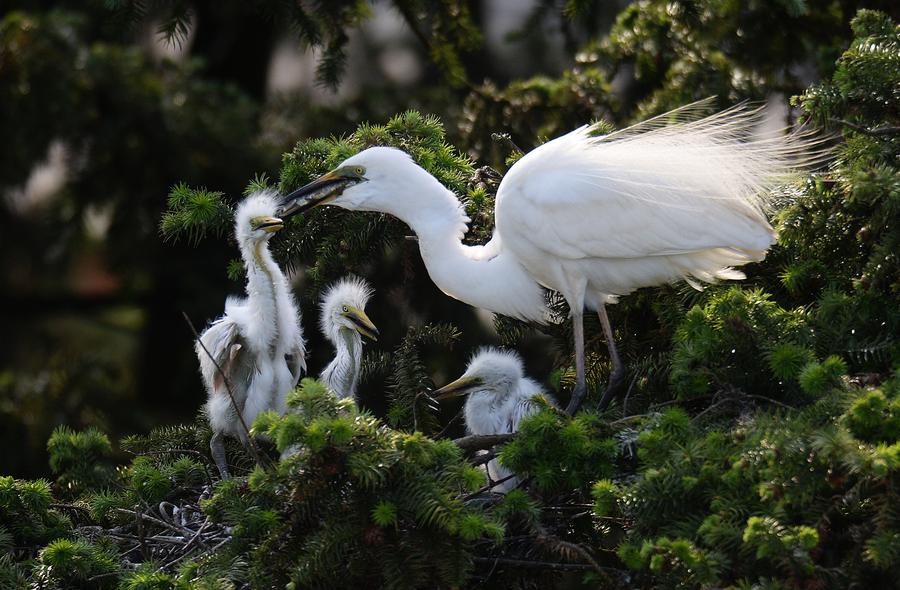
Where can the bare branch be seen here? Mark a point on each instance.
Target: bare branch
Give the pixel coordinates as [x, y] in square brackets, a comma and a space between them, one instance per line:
[490, 486]
[565, 546]
[477, 442]
[884, 130]
[527, 563]
[154, 520]
[250, 442]
[506, 139]
[483, 458]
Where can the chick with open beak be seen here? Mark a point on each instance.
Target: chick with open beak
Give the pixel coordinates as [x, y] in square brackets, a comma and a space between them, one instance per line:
[499, 397]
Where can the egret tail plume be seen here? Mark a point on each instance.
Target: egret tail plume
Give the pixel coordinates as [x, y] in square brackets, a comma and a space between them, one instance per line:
[681, 159]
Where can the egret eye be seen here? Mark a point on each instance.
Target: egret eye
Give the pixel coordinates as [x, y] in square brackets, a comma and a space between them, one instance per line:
[359, 170]
[344, 308]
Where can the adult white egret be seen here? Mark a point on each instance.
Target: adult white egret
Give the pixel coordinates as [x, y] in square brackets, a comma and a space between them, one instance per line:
[258, 343]
[343, 320]
[500, 396]
[593, 217]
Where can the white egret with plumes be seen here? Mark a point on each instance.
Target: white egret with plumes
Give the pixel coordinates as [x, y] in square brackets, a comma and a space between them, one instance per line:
[499, 397]
[344, 322]
[256, 350]
[594, 217]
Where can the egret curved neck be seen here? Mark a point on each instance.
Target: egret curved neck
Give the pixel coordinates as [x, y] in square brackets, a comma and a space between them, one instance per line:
[263, 277]
[486, 276]
[342, 373]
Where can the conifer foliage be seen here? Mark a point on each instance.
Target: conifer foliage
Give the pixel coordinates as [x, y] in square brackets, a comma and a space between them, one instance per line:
[758, 445]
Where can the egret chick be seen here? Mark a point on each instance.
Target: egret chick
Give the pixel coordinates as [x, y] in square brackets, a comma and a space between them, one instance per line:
[258, 344]
[343, 321]
[677, 197]
[500, 396]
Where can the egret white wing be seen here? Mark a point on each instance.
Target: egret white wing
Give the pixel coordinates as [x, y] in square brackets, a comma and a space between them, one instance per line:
[522, 404]
[519, 409]
[223, 341]
[678, 188]
[296, 358]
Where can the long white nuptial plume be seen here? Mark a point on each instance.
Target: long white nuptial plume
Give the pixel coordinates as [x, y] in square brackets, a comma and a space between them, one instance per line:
[674, 158]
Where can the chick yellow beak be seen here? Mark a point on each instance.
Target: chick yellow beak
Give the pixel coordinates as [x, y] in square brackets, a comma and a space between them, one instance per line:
[270, 224]
[361, 323]
[457, 388]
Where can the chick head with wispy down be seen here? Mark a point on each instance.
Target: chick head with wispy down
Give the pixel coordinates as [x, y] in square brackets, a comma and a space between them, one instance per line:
[490, 370]
[343, 308]
[255, 220]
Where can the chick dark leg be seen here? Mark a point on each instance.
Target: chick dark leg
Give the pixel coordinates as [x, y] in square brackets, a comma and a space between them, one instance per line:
[217, 448]
[580, 386]
[617, 378]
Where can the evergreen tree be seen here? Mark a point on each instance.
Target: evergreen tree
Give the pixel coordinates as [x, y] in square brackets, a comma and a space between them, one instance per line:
[758, 445]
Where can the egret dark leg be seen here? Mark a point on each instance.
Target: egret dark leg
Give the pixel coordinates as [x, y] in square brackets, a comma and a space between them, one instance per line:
[580, 387]
[217, 448]
[617, 378]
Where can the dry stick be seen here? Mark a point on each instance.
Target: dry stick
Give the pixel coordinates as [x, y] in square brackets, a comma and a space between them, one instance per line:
[477, 442]
[535, 564]
[162, 539]
[414, 413]
[770, 400]
[543, 535]
[482, 458]
[732, 400]
[679, 401]
[184, 551]
[488, 577]
[140, 531]
[198, 536]
[140, 515]
[631, 418]
[70, 507]
[627, 394]
[493, 484]
[874, 132]
[250, 442]
[507, 139]
[449, 423]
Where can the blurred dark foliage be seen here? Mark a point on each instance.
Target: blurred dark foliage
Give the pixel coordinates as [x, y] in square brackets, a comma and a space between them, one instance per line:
[93, 295]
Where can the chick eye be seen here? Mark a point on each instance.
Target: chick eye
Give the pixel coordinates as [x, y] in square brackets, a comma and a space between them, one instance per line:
[345, 310]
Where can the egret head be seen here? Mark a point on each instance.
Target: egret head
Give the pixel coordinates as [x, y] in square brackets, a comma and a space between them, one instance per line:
[343, 308]
[490, 370]
[375, 179]
[255, 219]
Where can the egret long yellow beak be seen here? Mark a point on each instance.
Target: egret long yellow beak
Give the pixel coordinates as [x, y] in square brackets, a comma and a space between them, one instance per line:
[361, 323]
[457, 388]
[318, 192]
[270, 224]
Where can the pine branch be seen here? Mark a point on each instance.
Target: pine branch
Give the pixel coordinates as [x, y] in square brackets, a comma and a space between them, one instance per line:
[191, 452]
